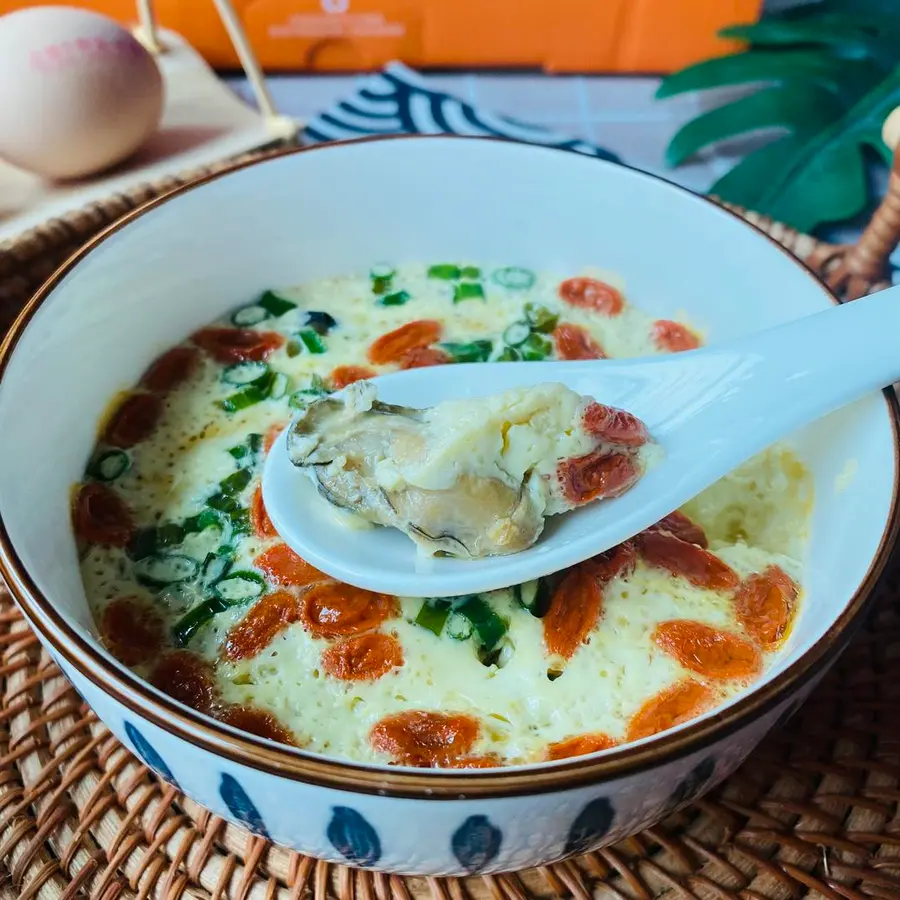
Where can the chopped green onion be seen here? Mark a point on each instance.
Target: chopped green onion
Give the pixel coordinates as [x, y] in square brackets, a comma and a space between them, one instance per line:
[249, 395]
[215, 566]
[320, 322]
[274, 305]
[444, 271]
[382, 276]
[468, 290]
[470, 272]
[514, 278]
[208, 518]
[488, 626]
[244, 373]
[459, 627]
[249, 315]
[239, 519]
[307, 339]
[161, 569]
[110, 465]
[536, 347]
[509, 354]
[398, 298]
[517, 334]
[302, 398]
[382, 270]
[222, 503]
[153, 539]
[249, 450]
[279, 387]
[534, 596]
[433, 614]
[541, 318]
[474, 351]
[191, 622]
[235, 482]
[240, 587]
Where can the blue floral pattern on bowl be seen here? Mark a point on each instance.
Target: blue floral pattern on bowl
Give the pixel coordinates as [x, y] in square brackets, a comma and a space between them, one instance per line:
[476, 843]
[148, 755]
[591, 826]
[241, 806]
[353, 837]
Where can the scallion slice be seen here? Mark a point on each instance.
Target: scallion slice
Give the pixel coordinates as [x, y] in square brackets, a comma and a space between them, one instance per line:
[433, 614]
[208, 518]
[235, 482]
[468, 290]
[536, 347]
[275, 305]
[247, 452]
[317, 388]
[534, 596]
[239, 587]
[191, 622]
[244, 373]
[155, 538]
[161, 569]
[110, 465]
[320, 322]
[215, 566]
[470, 272]
[280, 384]
[249, 395]
[459, 627]
[398, 298]
[509, 354]
[488, 626]
[474, 351]
[382, 270]
[541, 318]
[382, 276]
[444, 271]
[249, 315]
[517, 334]
[307, 341]
[514, 278]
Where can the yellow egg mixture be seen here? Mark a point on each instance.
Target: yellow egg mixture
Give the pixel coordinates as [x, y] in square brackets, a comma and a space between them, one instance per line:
[190, 586]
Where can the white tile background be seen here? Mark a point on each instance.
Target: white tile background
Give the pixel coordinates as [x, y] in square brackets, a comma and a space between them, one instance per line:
[620, 113]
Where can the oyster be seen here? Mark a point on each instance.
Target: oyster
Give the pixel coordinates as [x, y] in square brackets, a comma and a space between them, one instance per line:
[470, 478]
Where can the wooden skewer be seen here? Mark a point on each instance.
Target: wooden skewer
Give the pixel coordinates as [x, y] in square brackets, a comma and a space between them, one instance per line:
[852, 271]
[281, 127]
[146, 31]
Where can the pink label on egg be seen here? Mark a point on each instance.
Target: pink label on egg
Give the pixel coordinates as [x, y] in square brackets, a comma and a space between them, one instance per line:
[65, 54]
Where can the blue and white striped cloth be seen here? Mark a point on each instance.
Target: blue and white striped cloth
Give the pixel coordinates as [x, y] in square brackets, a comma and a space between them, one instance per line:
[399, 101]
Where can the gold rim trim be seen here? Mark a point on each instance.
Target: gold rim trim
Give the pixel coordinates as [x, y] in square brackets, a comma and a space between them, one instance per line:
[146, 702]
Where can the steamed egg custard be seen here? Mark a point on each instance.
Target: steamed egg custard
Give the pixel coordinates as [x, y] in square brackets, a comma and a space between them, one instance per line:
[468, 478]
[193, 589]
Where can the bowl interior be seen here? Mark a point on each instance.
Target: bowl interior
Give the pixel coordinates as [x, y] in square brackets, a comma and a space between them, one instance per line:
[340, 208]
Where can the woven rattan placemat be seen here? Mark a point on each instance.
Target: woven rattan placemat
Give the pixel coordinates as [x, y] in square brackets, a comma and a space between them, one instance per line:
[814, 813]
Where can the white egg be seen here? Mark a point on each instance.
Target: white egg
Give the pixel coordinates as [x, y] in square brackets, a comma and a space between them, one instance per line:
[78, 93]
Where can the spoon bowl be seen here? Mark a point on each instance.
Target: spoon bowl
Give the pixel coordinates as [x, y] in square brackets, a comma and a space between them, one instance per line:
[709, 410]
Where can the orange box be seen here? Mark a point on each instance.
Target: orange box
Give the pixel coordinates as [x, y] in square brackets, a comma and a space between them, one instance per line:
[359, 35]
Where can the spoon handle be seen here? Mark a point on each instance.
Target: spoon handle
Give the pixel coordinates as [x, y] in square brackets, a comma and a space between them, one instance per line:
[772, 383]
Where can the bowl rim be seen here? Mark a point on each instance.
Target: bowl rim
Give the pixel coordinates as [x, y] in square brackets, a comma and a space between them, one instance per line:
[137, 696]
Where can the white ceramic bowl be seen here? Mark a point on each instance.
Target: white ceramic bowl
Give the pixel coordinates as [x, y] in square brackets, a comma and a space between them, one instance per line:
[181, 261]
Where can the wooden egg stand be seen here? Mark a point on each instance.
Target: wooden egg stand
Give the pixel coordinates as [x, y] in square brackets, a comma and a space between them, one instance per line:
[854, 270]
[204, 124]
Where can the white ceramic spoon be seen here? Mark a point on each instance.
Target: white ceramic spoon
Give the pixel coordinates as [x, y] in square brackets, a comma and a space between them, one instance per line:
[709, 409]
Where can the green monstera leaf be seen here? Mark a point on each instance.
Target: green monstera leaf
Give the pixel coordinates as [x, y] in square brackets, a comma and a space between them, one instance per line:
[826, 77]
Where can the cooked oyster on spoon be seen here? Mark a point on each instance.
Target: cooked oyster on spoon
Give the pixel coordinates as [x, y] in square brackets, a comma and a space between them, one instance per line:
[706, 410]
